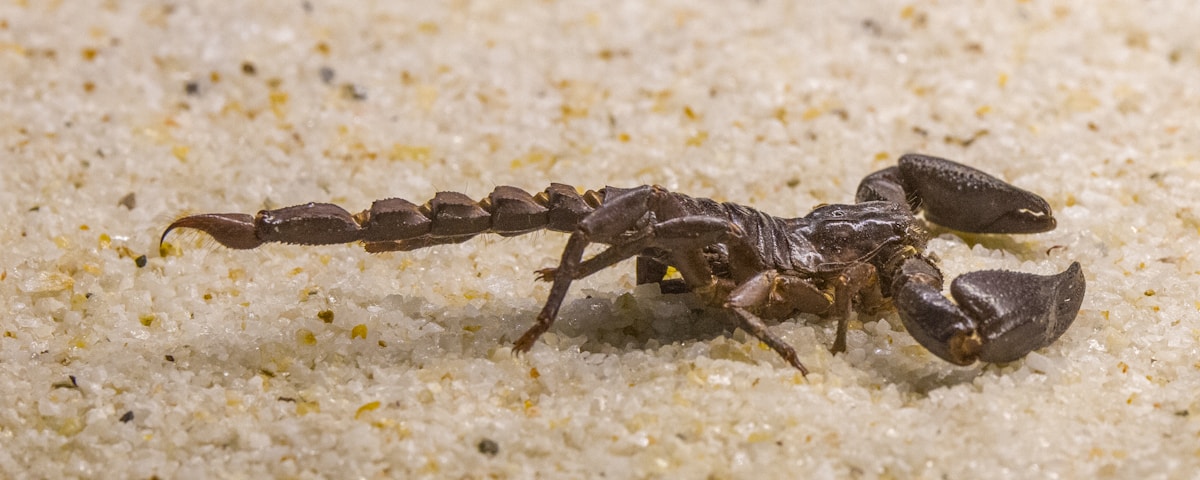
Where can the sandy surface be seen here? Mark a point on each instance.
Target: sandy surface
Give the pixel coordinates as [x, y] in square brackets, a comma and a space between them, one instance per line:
[118, 361]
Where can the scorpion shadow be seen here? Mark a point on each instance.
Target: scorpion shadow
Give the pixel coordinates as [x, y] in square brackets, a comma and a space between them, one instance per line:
[647, 319]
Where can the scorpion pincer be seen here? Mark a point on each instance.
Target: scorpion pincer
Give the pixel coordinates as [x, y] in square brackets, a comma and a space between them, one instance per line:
[868, 255]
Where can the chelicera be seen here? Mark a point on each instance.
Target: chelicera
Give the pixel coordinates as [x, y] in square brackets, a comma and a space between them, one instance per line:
[868, 255]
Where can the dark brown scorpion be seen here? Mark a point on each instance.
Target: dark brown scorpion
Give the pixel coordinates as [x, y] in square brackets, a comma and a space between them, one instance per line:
[867, 255]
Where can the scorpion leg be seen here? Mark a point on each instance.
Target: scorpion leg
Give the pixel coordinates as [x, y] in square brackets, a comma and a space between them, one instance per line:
[684, 235]
[859, 279]
[609, 257]
[1000, 316]
[772, 290]
[572, 253]
[676, 234]
[957, 196]
[621, 211]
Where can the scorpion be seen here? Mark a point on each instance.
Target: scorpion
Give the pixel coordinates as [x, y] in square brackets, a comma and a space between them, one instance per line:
[867, 256]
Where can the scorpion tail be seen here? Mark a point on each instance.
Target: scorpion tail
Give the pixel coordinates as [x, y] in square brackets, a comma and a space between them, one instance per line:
[233, 230]
[397, 224]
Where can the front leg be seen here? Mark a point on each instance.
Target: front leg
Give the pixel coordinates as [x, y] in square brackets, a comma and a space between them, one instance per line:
[857, 280]
[775, 294]
[1000, 316]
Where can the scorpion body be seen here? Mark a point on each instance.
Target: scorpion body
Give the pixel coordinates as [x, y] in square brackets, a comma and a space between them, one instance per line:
[868, 255]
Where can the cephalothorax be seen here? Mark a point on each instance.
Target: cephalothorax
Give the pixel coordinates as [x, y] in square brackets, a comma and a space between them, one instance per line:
[865, 255]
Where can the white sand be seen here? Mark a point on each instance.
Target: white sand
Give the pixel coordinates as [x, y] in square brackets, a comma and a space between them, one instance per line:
[228, 371]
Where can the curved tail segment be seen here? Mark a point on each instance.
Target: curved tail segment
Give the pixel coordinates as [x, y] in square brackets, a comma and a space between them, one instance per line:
[396, 224]
[233, 230]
